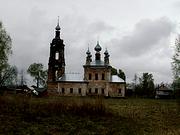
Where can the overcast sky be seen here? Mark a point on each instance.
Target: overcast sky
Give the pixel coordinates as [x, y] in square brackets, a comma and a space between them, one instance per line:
[139, 34]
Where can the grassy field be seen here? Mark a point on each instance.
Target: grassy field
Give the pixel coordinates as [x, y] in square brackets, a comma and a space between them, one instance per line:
[72, 115]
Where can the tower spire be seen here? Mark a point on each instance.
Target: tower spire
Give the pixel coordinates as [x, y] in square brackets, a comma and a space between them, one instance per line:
[88, 58]
[58, 27]
[106, 57]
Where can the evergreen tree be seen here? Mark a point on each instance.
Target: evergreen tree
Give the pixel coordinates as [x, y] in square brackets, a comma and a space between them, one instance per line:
[147, 84]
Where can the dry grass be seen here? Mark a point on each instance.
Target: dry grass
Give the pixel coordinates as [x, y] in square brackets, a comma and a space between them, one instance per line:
[74, 115]
[17, 105]
[155, 117]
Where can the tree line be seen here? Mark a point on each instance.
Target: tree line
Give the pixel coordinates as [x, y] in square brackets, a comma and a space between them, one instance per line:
[143, 86]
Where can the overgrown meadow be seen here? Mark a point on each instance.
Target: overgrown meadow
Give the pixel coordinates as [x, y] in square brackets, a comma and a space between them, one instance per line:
[23, 115]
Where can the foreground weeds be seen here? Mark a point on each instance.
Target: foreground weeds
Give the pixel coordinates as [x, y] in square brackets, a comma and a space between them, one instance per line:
[20, 105]
[75, 115]
[154, 117]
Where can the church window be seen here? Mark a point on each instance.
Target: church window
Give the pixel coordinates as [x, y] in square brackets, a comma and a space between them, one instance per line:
[96, 90]
[71, 90]
[119, 91]
[56, 55]
[79, 90]
[96, 76]
[102, 91]
[90, 76]
[63, 90]
[103, 76]
[89, 90]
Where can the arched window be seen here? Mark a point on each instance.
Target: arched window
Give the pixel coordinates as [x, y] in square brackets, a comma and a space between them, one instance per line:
[89, 90]
[96, 90]
[56, 74]
[71, 90]
[56, 55]
[79, 90]
[96, 76]
[103, 76]
[90, 76]
[102, 91]
[63, 90]
[119, 91]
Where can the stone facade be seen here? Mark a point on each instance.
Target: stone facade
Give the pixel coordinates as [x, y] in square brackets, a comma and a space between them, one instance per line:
[96, 80]
[72, 89]
[116, 89]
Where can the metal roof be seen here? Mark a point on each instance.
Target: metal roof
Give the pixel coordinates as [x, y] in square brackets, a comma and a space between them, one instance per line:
[98, 63]
[116, 78]
[77, 77]
[72, 77]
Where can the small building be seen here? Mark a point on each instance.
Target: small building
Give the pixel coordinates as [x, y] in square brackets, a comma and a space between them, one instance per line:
[163, 91]
[9, 90]
[96, 80]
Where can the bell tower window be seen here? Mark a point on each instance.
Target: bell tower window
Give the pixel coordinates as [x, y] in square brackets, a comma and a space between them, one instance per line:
[56, 55]
[56, 74]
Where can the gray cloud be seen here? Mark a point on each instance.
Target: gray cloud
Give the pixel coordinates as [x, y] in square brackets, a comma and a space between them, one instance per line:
[145, 49]
[28, 39]
[146, 35]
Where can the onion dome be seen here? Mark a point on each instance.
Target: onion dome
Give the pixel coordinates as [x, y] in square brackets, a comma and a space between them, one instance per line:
[88, 52]
[98, 47]
[106, 52]
[57, 27]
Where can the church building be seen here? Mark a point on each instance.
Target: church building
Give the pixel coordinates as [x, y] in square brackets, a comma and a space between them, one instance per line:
[96, 80]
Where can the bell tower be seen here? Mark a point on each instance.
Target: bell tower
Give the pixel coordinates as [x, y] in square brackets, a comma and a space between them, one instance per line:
[56, 65]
